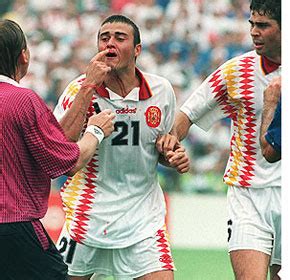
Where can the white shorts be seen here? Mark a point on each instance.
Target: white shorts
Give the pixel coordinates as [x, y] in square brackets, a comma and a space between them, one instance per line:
[255, 221]
[149, 255]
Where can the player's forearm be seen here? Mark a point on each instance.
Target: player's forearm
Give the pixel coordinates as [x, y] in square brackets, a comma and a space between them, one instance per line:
[268, 113]
[181, 126]
[267, 117]
[268, 151]
[170, 141]
[87, 145]
[271, 98]
[73, 120]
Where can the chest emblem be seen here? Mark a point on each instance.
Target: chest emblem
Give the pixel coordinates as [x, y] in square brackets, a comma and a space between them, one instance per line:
[153, 116]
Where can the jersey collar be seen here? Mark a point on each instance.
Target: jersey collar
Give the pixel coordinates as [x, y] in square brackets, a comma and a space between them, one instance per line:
[144, 89]
[268, 66]
[5, 79]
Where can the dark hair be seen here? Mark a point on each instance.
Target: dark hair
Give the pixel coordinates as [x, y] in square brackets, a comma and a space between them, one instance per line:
[271, 8]
[12, 42]
[124, 19]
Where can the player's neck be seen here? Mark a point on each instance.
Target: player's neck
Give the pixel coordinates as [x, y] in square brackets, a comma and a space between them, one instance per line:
[122, 82]
[276, 59]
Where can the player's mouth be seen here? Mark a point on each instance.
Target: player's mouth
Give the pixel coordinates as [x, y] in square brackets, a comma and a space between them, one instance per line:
[111, 54]
[258, 45]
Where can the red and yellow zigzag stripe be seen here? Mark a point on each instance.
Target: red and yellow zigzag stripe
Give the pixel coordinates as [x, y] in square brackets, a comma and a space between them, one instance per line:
[236, 99]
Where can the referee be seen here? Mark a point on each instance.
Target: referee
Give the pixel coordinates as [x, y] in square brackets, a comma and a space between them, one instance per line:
[33, 149]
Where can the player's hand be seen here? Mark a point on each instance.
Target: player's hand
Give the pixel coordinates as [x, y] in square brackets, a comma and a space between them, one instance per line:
[104, 121]
[178, 159]
[97, 69]
[166, 143]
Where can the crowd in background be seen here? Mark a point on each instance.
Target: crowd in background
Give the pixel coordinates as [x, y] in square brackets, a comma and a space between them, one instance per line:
[183, 40]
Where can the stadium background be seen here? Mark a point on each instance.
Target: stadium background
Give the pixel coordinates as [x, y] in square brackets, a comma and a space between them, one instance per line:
[183, 40]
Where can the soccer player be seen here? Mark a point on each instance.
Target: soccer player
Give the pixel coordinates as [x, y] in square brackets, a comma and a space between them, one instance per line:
[115, 208]
[235, 90]
[270, 135]
[33, 149]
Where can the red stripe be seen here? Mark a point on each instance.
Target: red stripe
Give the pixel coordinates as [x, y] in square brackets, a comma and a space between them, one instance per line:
[165, 257]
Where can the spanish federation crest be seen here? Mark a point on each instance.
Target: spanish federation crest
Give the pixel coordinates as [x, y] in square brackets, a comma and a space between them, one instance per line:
[153, 116]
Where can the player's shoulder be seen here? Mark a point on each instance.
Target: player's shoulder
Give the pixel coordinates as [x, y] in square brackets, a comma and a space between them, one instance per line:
[156, 80]
[75, 83]
[243, 58]
[160, 87]
[247, 61]
[72, 88]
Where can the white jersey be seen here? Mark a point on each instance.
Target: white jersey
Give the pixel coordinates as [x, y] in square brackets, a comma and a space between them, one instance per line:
[116, 200]
[235, 90]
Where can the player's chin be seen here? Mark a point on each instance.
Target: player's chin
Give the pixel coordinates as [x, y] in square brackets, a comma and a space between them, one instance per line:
[260, 51]
[113, 63]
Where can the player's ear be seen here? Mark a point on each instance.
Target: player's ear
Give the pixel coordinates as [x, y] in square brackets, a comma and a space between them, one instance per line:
[138, 49]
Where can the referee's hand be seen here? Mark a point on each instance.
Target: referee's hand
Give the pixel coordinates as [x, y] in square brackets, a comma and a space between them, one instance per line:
[104, 121]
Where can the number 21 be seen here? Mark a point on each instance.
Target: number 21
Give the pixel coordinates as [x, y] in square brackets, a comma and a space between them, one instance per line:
[121, 138]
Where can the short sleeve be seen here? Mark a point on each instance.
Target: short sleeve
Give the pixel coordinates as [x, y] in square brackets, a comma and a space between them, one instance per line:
[66, 99]
[202, 108]
[46, 141]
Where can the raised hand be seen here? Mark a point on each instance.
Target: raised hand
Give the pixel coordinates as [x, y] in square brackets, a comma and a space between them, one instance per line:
[97, 70]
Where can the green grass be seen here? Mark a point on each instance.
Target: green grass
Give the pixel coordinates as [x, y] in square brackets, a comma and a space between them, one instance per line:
[202, 264]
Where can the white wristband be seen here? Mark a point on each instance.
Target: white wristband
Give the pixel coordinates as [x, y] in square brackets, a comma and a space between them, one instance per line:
[96, 131]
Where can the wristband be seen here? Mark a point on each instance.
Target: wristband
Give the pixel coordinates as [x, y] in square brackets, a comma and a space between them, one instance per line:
[96, 131]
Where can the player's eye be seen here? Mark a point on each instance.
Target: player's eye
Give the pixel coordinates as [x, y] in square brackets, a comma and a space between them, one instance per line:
[104, 38]
[120, 38]
[262, 25]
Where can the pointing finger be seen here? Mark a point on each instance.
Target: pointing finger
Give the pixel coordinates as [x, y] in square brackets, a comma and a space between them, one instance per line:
[100, 56]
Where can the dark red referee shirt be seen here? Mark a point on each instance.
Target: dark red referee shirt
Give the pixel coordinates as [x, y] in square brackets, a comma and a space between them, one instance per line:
[33, 149]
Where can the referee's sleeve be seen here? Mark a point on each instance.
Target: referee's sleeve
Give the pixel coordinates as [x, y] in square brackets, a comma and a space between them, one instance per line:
[46, 141]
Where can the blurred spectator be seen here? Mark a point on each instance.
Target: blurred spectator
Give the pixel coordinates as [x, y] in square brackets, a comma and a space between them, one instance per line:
[5, 6]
